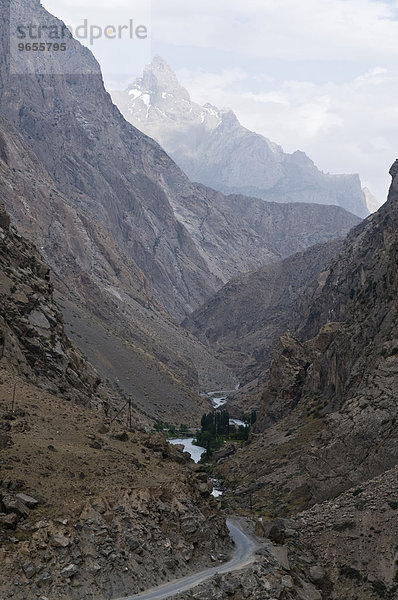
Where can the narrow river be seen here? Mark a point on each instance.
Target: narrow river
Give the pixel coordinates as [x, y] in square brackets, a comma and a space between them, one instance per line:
[195, 451]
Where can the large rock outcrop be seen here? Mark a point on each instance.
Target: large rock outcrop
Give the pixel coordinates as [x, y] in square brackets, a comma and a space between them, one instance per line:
[33, 342]
[329, 410]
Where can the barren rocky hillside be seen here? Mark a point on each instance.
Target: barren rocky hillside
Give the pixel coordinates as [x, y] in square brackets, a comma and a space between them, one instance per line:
[85, 508]
[173, 230]
[343, 548]
[107, 301]
[329, 418]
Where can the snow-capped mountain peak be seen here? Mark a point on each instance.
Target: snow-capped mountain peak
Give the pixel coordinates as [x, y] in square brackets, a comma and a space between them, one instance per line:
[213, 148]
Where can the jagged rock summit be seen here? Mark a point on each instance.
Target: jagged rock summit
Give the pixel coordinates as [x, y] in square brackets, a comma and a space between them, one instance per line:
[213, 148]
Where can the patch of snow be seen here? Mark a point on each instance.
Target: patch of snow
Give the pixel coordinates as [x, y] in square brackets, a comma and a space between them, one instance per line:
[146, 99]
[161, 112]
[135, 93]
[212, 111]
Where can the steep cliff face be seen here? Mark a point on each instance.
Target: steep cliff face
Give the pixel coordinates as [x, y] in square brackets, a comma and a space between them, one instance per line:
[33, 342]
[107, 301]
[329, 409]
[212, 147]
[354, 538]
[102, 164]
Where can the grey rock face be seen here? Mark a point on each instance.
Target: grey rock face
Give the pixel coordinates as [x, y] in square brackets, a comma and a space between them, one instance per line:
[212, 147]
[329, 408]
[354, 539]
[37, 346]
[141, 539]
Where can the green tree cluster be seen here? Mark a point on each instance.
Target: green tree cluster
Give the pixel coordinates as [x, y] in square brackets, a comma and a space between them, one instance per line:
[216, 429]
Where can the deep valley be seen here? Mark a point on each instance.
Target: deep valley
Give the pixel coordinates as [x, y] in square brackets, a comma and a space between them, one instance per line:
[197, 292]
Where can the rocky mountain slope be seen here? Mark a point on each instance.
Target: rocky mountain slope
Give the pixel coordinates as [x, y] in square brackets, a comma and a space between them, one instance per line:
[329, 410]
[354, 538]
[107, 301]
[123, 180]
[343, 548]
[245, 319]
[212, 147]
[33, 342]
[124, 230]
[85, 507]
[320, 469]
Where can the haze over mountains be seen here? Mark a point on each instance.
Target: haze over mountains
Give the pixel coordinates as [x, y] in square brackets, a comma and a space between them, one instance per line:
[299, 298]
[213, 148]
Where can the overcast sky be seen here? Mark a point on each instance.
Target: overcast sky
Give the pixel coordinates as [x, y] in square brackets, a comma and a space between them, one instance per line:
[315, 75]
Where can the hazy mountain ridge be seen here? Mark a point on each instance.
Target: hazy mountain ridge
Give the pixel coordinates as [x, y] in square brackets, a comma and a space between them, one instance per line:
[213, 148]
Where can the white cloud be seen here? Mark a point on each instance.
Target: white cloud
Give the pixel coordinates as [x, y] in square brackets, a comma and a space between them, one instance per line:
[123, 56]
[282, 29]
[345, 122]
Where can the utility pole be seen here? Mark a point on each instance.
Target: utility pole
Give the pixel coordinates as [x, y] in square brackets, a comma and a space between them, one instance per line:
[130, 424]
[13, 399]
